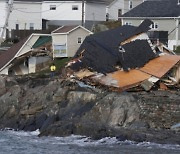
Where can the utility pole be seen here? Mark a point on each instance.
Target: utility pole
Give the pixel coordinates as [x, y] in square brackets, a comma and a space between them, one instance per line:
[82, 21]
[9, 10]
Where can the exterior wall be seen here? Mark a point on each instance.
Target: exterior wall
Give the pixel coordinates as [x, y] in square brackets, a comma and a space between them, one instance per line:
[113, 9]
[163, 25]
[58, 39]
[72, 41]
[3, 9]
[95, 12]
[28, 45]
[63, 11]
[134, 4]
[23, 15]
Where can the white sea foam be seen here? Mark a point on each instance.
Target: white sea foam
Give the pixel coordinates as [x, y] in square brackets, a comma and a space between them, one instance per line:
[23, 133]
[86, 141]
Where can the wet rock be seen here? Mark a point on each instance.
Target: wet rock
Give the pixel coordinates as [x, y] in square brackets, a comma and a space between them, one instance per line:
[139, 125]
[61, 108]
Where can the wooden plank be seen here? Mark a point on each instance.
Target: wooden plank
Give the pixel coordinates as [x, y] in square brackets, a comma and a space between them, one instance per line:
[158, 67]
[129, 79]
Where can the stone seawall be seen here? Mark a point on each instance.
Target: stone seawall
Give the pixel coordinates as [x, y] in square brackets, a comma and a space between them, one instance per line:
[61, 107]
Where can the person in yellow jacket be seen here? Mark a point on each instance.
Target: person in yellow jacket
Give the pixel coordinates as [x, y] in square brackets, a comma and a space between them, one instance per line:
[53, 69]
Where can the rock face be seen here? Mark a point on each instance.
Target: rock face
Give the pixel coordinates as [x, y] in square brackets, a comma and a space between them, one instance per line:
[60, 107]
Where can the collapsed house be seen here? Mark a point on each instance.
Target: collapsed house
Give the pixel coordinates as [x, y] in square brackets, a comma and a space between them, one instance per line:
[123, 58]
[27, 56]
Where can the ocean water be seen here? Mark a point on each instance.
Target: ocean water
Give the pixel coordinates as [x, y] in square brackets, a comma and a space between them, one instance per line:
[19, 142]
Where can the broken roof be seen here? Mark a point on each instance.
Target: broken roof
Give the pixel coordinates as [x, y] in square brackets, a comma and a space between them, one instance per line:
[11, 52]
[9, 55]
[102, 52]
[163, 8]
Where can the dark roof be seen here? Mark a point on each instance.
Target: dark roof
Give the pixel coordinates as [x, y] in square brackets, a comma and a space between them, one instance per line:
[65, 29]
[100, 52]
[161, 8]
[7, 56]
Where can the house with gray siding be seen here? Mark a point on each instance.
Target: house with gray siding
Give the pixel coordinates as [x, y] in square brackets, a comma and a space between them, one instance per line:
[165, 15]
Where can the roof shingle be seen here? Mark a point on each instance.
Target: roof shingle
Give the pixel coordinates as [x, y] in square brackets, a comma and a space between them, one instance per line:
[160, 8]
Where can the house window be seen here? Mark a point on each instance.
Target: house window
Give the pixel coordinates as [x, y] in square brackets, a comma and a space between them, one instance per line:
[31, 26]
[119, 12]
[154, 25]
[130, 4]
[75, 7]
[52, 7]
[17, 26]
[79, 41]
[60, 50]
[127, 23]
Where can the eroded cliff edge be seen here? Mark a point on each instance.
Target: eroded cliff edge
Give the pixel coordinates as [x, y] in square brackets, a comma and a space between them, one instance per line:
[59, 107]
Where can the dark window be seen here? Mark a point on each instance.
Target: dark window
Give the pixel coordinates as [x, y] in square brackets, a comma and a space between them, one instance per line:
[130, 4]
[31, 26]
[79, 40]
[52, 7]
[75, 7]
[17, 26]
[119, 12]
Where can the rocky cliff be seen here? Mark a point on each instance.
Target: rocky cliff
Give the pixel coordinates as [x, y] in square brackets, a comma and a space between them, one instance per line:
[59, 107]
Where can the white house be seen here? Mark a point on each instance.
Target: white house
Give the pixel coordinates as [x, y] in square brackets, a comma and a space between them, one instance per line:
[67, 39]
[70, 12]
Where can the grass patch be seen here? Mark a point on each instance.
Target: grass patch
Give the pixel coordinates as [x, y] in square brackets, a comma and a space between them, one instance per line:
[177, 51]
[60, 63]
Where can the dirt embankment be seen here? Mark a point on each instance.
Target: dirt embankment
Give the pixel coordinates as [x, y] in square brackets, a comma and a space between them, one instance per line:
[60, 107]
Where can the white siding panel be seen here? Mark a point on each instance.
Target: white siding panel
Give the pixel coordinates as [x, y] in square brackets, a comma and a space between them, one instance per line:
[63, 11]
[24, 14]
[95, 12]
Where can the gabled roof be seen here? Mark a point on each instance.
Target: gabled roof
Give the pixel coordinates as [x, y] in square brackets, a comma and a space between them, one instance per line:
[8, 56]
[161, 8]
[68, 29]
[101, 52]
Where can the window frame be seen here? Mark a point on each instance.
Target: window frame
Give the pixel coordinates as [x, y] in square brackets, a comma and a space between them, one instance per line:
[52, 7]
[154, 26]
[79, 40]
[31, 26]
[130, 4]
[128, 23]
[17, 26]
[75, 7]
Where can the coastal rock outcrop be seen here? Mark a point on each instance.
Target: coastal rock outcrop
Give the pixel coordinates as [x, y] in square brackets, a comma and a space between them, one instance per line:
[61, 107]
